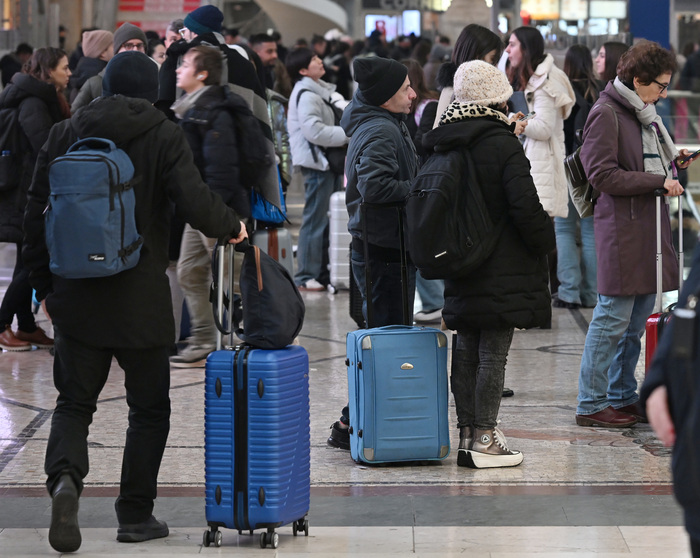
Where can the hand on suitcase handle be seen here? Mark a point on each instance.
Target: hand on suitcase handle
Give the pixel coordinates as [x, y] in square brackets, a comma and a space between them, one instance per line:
[671, 188]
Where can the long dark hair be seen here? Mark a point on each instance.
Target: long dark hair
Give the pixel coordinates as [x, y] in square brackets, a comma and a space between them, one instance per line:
[41, 63]
[417, 79]
[474, 43]
[578, 66]
[532, 48]
[613, 53]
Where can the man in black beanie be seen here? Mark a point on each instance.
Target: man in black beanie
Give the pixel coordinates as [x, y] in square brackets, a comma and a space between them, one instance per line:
[380, 165]
[127, 316]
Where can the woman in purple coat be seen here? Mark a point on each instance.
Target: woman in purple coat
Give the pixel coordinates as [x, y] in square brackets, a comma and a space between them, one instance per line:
[627, 154]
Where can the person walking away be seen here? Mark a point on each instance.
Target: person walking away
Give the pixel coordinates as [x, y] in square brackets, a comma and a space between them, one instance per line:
[38, 95]
[509, 289]
[312, 128]
[98, 49]
[127, 316]
[206, 114]
[380, 166]
[627, 167]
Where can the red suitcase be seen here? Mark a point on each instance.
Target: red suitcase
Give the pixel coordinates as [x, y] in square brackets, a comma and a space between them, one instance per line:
[657, 321]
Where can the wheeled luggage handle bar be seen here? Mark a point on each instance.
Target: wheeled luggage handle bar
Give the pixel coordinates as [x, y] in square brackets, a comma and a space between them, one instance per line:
[659, 193]
[224, 254]
[404, 266]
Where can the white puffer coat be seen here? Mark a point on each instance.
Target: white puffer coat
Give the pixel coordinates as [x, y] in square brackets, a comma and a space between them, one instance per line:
[550, 95]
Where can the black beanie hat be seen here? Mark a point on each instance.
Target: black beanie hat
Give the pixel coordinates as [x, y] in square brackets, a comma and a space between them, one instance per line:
[379, 78]
[132, 74]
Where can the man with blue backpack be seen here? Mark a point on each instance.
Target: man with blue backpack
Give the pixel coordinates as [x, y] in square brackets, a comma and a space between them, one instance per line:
[112, 299]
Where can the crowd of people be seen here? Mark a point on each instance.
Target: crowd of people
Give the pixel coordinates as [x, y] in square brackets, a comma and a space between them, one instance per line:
[367, 114]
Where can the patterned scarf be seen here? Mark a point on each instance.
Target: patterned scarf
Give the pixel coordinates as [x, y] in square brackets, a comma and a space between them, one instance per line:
[457, 111]
[659, 150]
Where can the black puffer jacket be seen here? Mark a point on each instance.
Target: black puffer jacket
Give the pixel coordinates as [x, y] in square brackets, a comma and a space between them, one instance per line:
[510, 289]
[39, 109]
[211, 132]
[87, 68]
[133, 308]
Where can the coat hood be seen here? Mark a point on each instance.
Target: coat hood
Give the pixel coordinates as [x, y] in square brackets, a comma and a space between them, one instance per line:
[359, 111]
[97, 119]
[23, 86]
[463, 133]
[555, 83]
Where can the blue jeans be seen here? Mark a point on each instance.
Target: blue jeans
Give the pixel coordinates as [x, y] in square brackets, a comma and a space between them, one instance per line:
[318, 186]
[576, 270]
[611, 352]
[431, 293]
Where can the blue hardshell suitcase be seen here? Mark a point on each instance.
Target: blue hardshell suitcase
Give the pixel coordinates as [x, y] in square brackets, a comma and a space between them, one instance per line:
[257, 443]
[397, 382]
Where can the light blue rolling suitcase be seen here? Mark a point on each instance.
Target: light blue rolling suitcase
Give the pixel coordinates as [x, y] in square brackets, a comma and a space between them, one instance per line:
[397, 384]
[397, 381]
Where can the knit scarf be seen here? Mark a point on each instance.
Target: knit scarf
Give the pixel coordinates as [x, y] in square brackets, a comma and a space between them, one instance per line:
[186, 102]
[658, 147]
[457, 111]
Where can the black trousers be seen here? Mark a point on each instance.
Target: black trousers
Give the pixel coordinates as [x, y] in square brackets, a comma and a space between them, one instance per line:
[18, 299]
[80, 372]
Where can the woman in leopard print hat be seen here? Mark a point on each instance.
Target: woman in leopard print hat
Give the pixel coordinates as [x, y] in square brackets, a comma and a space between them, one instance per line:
[510, 289]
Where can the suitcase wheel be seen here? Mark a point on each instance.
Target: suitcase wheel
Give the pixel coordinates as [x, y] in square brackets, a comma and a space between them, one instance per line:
[213, 536]
[300, 525]
[273, 539]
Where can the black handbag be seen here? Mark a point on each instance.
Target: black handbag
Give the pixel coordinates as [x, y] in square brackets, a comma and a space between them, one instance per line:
[583, 195]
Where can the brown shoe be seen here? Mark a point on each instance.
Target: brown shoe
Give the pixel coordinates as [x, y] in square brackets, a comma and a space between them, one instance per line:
[636, 410]
[9, 342]
[607, 418]
[37, 338]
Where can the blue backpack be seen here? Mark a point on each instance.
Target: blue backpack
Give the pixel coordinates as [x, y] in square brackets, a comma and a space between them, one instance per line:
[90, 218]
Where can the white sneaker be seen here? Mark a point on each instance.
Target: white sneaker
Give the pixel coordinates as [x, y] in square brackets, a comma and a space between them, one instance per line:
[490, 449]
[193, 356]
[433, 316]
[311, 285]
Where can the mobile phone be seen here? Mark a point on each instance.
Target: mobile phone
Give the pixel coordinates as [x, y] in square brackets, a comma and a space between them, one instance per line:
[527, 116]
[689, 157]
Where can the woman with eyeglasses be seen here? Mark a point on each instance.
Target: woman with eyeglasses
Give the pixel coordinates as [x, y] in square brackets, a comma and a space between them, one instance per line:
[627, 155]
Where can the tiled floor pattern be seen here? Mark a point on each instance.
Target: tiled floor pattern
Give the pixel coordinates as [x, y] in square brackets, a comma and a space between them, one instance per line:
[553, 504]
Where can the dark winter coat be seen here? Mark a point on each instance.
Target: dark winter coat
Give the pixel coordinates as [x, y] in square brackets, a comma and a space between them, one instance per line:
[87, 68]
[682, 380]
[379, 167]
[511, 288]
[210, 130]
[39, 109]
[133, 308]
[625, 212]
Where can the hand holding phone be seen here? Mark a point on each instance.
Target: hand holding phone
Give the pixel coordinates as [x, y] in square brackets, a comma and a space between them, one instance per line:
[689, 157]
[527, 116]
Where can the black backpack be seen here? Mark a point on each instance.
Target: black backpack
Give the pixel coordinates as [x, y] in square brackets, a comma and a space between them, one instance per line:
[449, 230]
[13, 147]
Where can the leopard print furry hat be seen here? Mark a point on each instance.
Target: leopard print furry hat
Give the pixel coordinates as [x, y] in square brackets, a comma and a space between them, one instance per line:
[479, 83]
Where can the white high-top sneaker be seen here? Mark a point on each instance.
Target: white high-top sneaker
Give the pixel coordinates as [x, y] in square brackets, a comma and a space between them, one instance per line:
[490, 449]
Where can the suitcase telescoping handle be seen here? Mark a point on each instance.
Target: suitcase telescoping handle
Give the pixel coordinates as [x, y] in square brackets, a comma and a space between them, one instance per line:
[224, 295]
[399, 206]
[660, 192]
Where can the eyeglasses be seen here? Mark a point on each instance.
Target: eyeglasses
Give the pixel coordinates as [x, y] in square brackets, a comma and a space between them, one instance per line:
[134, 46]
[661, 85]
[182, 32]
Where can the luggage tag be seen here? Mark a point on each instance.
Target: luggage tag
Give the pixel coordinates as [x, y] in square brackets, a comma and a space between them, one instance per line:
[683, 342]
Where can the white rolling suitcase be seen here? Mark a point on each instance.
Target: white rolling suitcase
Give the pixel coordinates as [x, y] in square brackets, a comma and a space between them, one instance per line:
[339, 242]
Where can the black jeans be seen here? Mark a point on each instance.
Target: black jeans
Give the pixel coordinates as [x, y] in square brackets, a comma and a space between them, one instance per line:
[386, 295]
[18, 299]
[80, 372]
[478, 371]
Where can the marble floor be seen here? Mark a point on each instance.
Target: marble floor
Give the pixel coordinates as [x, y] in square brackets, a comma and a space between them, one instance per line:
[592, 492]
